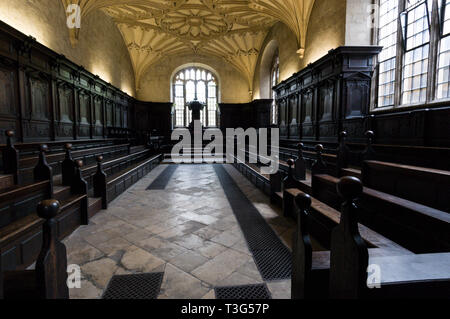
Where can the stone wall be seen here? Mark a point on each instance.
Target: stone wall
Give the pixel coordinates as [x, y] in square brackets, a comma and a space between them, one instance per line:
[156, 83]
[326, 31]
[101, 49]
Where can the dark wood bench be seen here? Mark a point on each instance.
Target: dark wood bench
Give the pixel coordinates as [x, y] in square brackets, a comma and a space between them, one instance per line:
[108, 187]
[20, 238]
[426, 186]
[417, 227]
[343, 272]
[49, 278]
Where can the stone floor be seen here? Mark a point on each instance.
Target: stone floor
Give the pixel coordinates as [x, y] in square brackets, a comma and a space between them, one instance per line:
[188, 231]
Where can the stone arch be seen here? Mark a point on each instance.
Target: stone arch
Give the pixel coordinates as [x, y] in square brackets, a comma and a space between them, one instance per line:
[265, 68]
[200, 65]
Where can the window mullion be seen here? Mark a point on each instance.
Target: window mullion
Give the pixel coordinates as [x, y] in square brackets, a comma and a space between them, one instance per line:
[434, 51]
[401, 49]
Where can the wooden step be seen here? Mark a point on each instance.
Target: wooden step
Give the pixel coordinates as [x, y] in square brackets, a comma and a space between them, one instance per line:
[94, 206]
[6, 181]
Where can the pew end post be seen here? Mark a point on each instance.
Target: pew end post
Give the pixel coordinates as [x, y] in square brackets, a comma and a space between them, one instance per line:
[49, 278]
[301, 283]
[100, 183]
[369, 153]
[51, 265]
[68, 166]
[349, 252]
[10, 157]
[300, 164]
[43, 171]
[80, 187]
[343, 153]
[319, 166]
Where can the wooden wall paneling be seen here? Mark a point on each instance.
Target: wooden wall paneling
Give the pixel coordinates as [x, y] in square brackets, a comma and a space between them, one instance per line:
[9, 97]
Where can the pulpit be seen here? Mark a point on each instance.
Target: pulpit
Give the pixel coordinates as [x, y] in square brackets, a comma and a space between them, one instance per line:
[196, 107]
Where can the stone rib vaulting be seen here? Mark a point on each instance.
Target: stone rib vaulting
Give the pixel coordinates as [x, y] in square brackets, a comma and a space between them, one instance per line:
[231, 30]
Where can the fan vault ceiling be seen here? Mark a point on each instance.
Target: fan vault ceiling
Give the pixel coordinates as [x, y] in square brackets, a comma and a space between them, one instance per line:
[230, 29]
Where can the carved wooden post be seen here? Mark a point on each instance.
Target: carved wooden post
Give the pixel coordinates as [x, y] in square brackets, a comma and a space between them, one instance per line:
[80, 187]
[369, 152]
[300, 165]
[51, 265]
[43, 171]
[349, 254]
[10, 157]
[289, 181]
[343, 153]
[275, 185]
[68, 166]
[100, 183]
[302, 251]
[319, 166]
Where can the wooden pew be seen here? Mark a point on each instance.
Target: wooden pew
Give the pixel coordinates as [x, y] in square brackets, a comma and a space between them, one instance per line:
[56, 160]
[20, 236]
[419, 228]
[426, 186]
[108, 187]
[48, 279]
[402, 276]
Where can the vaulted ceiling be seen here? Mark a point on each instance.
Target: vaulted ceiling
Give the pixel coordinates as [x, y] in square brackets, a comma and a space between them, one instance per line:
[230, 29]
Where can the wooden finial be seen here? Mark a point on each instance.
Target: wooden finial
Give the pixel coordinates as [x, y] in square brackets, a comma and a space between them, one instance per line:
[349, 188]
[68, 146]
[303, 201]
[9, 133]
[319, 148]
[79, 164]
[48, 209]
[43, 148]
[99, 159]
[343, 134]
[291, 163]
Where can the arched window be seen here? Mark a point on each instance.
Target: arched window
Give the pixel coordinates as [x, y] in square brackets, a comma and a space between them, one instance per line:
[274, 79]
[191, 83]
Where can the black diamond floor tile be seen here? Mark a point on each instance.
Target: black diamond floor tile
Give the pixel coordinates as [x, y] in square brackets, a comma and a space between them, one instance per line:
[140, 286]
[249, 292]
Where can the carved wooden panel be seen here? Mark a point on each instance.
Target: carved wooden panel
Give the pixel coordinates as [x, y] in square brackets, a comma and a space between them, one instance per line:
[38, 108]
[65, 104]
[109, 114]
[307, 106]
[84, 109]
[326, 102]
[98, 120]
[7, 92]
[356, 97]
[118, 116]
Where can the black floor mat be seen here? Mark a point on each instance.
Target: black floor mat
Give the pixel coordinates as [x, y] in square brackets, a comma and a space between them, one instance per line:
[272, 257]
[141, 286]
[248, 292]
[160, 183]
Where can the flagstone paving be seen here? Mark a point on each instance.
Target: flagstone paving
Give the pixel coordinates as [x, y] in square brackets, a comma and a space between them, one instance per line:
[188, 231]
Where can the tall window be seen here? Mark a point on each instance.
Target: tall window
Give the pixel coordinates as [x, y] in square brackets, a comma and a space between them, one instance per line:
[192, 83]
[274, 79]
[387, 57]
[424, 30]
[443, 76]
